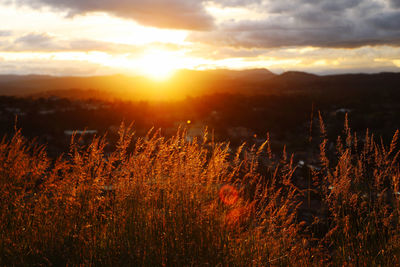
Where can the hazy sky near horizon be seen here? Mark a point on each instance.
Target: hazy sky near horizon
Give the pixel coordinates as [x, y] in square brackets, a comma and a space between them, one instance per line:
[155, 37]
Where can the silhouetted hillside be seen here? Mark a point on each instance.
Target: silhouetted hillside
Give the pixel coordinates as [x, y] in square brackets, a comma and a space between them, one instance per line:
[190, 83]
[297, 76]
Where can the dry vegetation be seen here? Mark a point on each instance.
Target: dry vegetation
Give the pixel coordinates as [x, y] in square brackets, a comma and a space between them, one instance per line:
[157, 201]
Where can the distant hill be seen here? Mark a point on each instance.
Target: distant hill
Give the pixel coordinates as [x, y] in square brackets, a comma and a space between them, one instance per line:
[254, 74]
[183, 83]
[262, 74]
[297, 76]
[191, 83]
[12, 77]
[25, 85]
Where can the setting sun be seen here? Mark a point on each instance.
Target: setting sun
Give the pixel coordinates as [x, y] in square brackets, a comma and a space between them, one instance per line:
[157, 64]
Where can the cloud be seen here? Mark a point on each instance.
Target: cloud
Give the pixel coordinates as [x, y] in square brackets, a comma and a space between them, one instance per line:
[389, 21]
[51, 67]
[37, 42]
[87, 45]
[34, 39]
[177, 14]
[284, 23]
[43, 42]
[395, 3]
[5, 33]
[325, 23]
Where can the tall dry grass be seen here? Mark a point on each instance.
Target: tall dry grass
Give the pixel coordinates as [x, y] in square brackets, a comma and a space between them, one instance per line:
[153, 202]
[168, 201]
[359, 187]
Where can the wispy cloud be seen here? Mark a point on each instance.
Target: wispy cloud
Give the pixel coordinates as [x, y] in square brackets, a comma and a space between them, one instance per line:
[4, 33]
[44, 42]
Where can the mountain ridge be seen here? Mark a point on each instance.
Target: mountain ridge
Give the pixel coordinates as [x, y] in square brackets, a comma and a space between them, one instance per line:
[188, 83]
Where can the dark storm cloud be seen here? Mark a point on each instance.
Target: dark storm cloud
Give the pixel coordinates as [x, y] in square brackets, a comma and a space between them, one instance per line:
[389, 21]
[180, 14]
[237, 3]
[326, 23]
[288, 6]
[395, 3]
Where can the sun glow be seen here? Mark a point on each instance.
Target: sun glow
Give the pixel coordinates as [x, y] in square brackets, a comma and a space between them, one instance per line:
[157, 64]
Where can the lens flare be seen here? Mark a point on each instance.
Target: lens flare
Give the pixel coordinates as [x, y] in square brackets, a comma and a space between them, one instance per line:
[228, 195]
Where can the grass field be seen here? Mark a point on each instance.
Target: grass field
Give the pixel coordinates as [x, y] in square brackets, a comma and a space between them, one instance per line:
[158, 201]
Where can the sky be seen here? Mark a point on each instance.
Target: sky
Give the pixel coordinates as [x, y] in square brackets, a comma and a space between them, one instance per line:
[157, 37]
